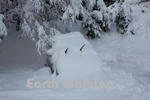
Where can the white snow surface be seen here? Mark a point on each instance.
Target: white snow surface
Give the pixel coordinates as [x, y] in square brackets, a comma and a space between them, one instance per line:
[13, 81]
[122, 59]
[75, 63]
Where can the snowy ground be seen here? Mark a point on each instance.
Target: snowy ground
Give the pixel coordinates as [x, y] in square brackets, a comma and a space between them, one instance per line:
[124, 59]
[18, 60]
[129, 55]
[14, 76]
[14, 81]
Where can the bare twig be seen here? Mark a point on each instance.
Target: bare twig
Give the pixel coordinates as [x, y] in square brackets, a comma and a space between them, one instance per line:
[82, 47]
[66, 50]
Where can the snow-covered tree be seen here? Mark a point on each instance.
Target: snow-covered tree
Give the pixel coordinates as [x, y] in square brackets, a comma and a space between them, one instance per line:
[55, 8]
[12, 10]
[92, 24]
[73, 10]
[3, 30]
[33, 18]
[99, 18]
[45, 40]
[123, 18]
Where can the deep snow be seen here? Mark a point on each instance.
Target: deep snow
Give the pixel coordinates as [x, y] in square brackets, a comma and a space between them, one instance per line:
[71, 61]
[18, 59]
[124, 59]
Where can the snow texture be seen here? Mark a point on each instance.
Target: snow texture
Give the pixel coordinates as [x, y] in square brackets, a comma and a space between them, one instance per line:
[73, 56]
[122, 59]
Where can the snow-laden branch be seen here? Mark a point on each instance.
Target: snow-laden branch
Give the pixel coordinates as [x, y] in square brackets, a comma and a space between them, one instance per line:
[3, 29]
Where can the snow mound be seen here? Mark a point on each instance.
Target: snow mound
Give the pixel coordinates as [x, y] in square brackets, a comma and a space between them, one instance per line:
[74, 57]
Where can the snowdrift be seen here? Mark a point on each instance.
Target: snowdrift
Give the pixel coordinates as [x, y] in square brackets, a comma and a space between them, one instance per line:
[74, 57]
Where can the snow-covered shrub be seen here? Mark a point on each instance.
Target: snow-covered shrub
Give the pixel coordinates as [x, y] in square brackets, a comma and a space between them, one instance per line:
[52, 59]
[39, 30]
[106, 21]
[13, 17]
[42, 34]
[91, 5]
[3, 29]
[92, 24]
[73, 10]
[79, 8]
[99, 5]
[29, 25]
[27, 30]
[123, 18]
[11, 9]
[96, 23]
[7, 5]
[55, 8]
[34, 27]
[45, 41]
[68, 15]
[96, 16]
